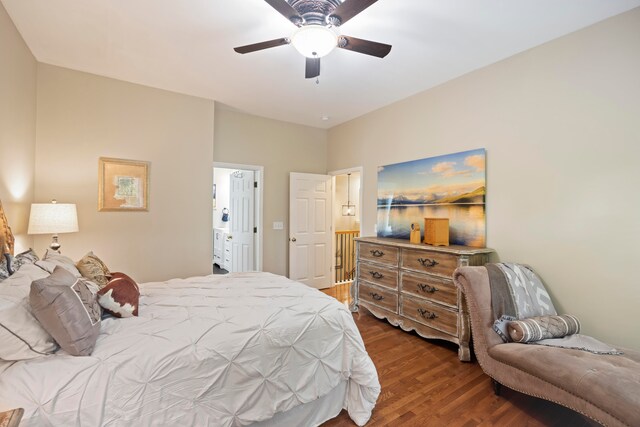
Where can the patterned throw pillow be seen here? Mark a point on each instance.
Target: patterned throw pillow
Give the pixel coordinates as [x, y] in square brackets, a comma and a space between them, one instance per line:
[27, 257]
[543, 327]
[120, 297]
[5, 260]
[68, 310]
[91, 267]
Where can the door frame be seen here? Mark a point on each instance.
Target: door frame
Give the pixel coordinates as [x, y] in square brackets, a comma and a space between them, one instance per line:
[333, 175]
[258, 204]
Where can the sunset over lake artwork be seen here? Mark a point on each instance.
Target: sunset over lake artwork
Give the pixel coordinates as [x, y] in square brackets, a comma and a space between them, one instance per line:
[451, 186]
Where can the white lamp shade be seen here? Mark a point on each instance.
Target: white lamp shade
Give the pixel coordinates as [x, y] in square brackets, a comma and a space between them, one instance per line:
[53, 218]
[314, 40]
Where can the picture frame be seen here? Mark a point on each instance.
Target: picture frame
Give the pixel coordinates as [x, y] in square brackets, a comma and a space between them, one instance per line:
[450, 186]
[123, 185]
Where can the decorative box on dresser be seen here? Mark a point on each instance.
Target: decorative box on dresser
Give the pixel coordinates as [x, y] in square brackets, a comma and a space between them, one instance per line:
[411, 286]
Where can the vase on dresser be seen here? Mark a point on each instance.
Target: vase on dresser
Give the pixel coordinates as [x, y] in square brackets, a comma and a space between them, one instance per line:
[411, 286]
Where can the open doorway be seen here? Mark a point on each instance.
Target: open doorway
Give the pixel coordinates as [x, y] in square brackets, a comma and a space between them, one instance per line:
[237, 218]
[347, 211]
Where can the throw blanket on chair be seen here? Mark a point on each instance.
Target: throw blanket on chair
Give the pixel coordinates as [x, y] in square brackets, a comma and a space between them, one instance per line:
[518, 293]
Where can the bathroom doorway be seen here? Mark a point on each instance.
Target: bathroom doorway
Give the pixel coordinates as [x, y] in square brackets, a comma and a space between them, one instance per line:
[237, 217]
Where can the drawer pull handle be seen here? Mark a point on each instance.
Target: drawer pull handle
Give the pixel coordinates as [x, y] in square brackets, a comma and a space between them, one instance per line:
[426, 288]
[376, 275]
[376, 297]
[426, 262]
[426, 314]
[376, 253]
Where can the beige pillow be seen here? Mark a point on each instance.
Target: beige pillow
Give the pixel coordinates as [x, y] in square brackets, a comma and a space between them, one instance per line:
[21, 335]
[91, 267]
[68, 310]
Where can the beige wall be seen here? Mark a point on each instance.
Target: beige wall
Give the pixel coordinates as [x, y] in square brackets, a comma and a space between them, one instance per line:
[281, 148]
[82, 117]
[17, 128]
[561, 125]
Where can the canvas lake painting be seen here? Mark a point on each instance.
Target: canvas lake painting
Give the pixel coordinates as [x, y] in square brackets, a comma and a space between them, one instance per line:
[451, 186]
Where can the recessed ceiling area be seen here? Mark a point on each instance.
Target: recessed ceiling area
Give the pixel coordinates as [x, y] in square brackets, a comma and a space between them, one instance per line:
[187, 47]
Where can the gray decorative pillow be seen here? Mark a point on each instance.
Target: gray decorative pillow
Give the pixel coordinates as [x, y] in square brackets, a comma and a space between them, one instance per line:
[68, 310]
[27, 257]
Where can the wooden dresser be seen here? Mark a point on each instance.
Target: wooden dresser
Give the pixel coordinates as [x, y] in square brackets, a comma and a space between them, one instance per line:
[411, 286]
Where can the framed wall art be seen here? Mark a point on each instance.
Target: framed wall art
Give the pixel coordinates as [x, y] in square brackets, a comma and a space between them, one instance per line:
[452, 186]
[123, 185]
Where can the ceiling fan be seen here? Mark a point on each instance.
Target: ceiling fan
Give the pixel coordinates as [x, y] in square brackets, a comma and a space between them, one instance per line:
[317, 33]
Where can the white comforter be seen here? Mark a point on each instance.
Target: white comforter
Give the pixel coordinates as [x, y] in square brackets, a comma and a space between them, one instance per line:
[217, 350]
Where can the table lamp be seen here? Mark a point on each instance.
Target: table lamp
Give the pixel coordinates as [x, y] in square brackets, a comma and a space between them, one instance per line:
[53, 218]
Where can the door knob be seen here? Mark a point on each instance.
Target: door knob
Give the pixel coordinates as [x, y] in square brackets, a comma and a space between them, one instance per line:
[293, 239]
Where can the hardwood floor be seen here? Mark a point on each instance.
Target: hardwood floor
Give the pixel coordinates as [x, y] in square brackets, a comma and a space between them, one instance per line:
[424, 384]
[340, 292]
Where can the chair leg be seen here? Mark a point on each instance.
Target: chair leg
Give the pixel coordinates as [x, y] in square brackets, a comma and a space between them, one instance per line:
[497, 387]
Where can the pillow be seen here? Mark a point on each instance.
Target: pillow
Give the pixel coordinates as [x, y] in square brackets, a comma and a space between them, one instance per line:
[91, 267]
[16, 288]
[21, 335]
[120, 297]
[27, 257]
[5, 262]
[68, 310]
[53, 259]
[13, 264]
[517, 292]
[543, 327]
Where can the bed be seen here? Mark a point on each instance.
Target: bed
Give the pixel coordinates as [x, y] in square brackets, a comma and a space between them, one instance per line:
[239, 349]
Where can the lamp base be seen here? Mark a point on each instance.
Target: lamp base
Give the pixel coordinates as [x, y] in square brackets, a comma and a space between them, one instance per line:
[54, 243]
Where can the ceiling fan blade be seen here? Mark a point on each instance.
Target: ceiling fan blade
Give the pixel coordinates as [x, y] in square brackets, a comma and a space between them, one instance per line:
[312, 68]
[287, 11]
[350, 8]
[364, 46]
[262, 45]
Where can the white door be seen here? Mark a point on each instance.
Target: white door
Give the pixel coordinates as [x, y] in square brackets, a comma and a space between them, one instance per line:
[241, 221]
[310, 229]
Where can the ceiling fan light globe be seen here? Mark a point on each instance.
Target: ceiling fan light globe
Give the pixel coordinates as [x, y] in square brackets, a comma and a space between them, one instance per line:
[314, 41]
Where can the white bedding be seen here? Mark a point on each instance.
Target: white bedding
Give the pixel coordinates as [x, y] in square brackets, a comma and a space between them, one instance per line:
[217, 350]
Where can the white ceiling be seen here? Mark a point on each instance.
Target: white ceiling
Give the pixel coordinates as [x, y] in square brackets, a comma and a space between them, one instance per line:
[187, 46]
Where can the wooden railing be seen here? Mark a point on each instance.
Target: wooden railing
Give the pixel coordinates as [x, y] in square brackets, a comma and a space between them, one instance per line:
[345, 266]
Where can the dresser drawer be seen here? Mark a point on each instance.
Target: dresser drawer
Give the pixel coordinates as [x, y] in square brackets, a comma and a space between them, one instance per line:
[378, 275]
[430, 314]
[379, 253]
[432, 287]
[429, 262]
[379, 296]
